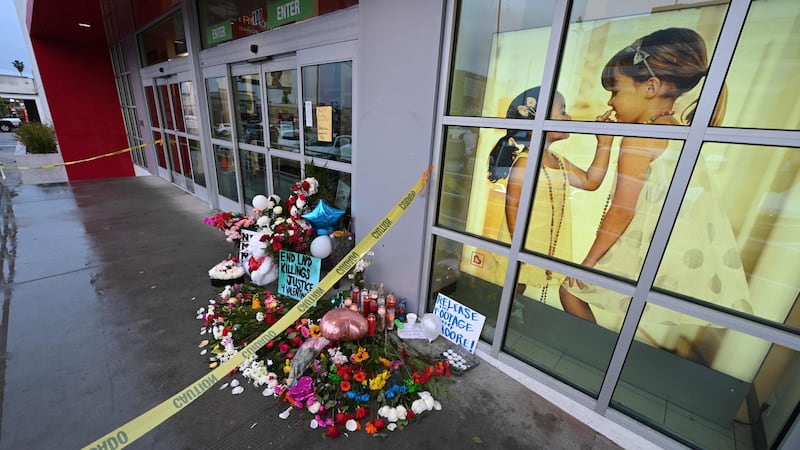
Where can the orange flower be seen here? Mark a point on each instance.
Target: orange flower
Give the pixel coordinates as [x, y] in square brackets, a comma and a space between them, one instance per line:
[256, 303]
[315, 331]
[385, 361]
[360, 376]
[361, 355]
[344, 386]
[371, 428]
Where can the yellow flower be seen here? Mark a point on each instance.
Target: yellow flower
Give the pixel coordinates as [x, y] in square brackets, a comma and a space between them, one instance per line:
[361, 355]
[256, 303]
[287, 367]
[314, 331]
[377, 383]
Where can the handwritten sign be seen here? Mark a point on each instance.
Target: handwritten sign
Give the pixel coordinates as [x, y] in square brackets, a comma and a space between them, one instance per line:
[460, 324]
[297, 274]
[325, 123]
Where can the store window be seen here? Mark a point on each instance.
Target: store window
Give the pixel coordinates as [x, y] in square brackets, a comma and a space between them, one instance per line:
[734, 242]
[163, 41]
[758, 88]
[189, 105]
[224, 21]
[218, 110]
[285, 173]
[500, 49]
[564, 345]
[226, 172]
[248, 109]
[254, 175]
[328, 97]
[696, 385]
[284, 125]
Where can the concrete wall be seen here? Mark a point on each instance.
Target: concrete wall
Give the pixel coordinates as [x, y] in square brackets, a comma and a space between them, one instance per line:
[396, 87]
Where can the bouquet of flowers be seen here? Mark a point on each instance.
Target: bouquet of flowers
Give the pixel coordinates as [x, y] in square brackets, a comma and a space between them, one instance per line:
[294, 233]
[231, 223]
[374, 384]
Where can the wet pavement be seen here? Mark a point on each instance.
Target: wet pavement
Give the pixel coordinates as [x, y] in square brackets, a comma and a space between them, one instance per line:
[101, 282]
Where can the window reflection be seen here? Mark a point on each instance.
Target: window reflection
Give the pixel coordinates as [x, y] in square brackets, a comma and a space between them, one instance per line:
[759, 93]
[693, 382]
[284, 126]
[217, 91]
[285, 173]
[564, 345]
[163, 41]
[248, 109]
[226, 172]
[254, 175]
[484, 78]
[734, 239]
[329, 88]
[455, 273]
[187, 96]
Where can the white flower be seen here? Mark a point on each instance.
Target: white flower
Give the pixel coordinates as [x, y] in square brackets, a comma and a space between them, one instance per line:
[418, 406]
[402, 412]
[392, 417]
[384, 411]
[277, 210]
[260, 316]
[300, 203]
[391, 426]
[314, 425]
[315, 407]
[351, 425]
[262, 221]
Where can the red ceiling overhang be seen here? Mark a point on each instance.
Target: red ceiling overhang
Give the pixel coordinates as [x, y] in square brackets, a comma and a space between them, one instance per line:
[58, 20]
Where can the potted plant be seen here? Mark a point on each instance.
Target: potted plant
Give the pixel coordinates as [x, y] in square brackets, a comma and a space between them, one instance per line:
[37, 154]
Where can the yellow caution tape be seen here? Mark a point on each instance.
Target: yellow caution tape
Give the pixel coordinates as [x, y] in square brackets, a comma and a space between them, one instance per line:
[69, 163]
[143, 424]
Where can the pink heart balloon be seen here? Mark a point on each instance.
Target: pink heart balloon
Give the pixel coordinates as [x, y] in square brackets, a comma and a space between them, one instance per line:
[342, 324]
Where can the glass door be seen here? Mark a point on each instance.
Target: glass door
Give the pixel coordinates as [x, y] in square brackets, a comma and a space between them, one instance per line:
[173, 114]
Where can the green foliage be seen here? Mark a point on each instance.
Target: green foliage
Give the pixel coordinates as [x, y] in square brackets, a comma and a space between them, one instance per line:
[4, 109]
[19, 65]
[37, 137]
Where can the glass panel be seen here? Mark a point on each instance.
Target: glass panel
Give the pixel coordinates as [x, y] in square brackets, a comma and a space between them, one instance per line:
[189, 107]
[735, 242]
[160, 154]
[329, 88]
[219, 113]
[540, 333]
[284, 128]
[334, 188]
[150, 94]
[248, 109]
[196, 156]
[651, 56]
[175, 99]
[226, 20]
[759, 92]
[692, 381]
[285, 173]
[174, 159]
[226, 172]
[166, 106]
[163, 41]
[470, 276]
[254, 174]
[146, 10]
[463, 180]
[186, 162]
[500, 48]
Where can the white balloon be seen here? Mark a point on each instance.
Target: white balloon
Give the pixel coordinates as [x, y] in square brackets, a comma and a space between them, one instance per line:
[431, 326]
[321, 246]
[260, 202]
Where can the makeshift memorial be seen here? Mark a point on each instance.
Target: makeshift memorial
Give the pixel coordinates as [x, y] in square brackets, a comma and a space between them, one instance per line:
[325, 365]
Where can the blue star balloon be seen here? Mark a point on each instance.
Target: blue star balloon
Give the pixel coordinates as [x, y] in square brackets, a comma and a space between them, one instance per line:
[323, 217]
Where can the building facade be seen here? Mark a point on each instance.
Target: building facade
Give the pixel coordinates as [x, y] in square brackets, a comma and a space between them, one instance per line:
[635, 250]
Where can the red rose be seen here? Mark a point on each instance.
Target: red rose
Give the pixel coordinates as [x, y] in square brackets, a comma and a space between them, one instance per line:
[332, 432]
[361, 412]
[379, 424]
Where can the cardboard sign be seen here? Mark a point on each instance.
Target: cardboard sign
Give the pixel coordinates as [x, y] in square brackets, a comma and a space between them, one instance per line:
[325, 123]
[460, 324]
[297, 274]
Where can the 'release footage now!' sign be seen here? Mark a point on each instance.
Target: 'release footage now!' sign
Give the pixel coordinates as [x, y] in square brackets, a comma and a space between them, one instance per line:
[460, 324]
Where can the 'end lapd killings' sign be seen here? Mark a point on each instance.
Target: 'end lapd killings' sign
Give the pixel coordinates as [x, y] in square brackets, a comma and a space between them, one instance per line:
[297, 274]
[460, 324]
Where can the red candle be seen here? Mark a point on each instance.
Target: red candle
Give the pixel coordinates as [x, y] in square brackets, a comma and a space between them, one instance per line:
[371, 324]
[367, 306]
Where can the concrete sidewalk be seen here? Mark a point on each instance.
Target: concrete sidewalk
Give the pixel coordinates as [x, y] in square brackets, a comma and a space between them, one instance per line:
[101, 284]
